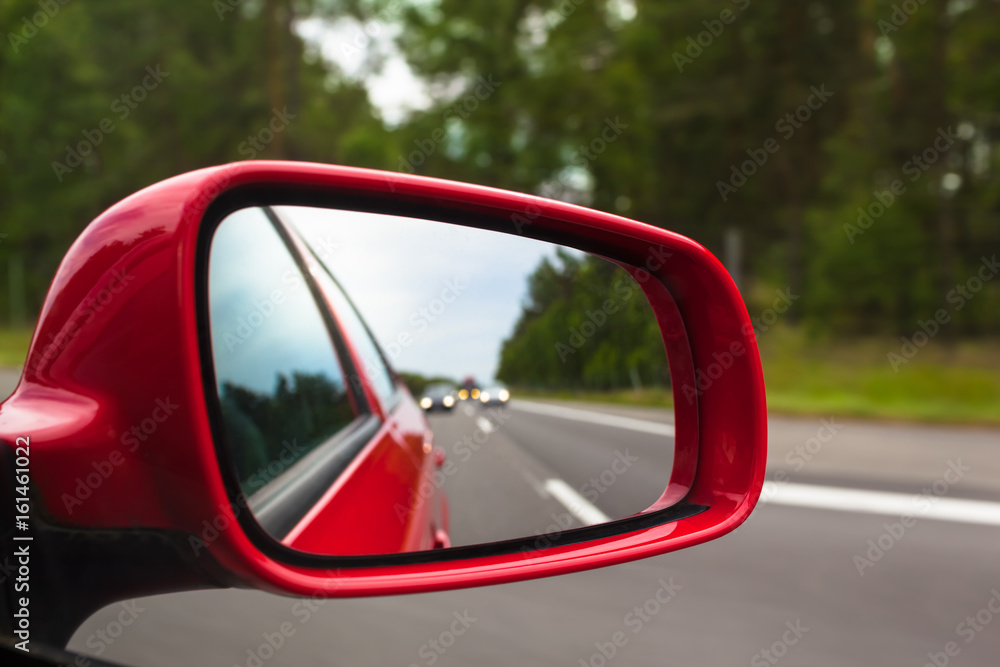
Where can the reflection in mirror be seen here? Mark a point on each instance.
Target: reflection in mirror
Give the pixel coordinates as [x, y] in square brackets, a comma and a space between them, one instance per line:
[390, 384]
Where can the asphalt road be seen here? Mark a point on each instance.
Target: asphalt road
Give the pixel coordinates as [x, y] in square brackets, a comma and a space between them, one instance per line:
[786, 588]
[503, 487]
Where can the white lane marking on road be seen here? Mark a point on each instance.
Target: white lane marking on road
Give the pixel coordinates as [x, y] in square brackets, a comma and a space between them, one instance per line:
[596, 418]
[485, 425]
[882, 502]
[577, 505]
[535, 483]
[467, 409]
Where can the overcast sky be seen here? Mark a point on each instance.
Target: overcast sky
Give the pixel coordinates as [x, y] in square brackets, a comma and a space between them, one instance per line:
[400, 273]
[393, 88]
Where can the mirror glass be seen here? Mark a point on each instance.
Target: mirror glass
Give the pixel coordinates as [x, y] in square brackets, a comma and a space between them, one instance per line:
[391, 384]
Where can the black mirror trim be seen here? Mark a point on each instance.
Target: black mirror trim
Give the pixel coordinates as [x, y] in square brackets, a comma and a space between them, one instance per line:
[280, 505]
[323, 197]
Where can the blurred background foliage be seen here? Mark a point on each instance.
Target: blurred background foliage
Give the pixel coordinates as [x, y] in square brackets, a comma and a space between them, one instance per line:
[632, 106]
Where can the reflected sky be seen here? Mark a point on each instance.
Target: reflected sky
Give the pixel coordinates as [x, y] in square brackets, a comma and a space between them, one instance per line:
[401, 273]
[264, 321]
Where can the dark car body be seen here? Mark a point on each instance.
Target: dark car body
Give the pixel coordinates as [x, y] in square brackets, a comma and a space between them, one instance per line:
[438, 397]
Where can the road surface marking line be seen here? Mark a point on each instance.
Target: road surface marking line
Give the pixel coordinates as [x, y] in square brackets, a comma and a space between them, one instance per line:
[535, 484]
[596, 418]
[467, 409]
[885, 503]
[577, 505]
[485, 425]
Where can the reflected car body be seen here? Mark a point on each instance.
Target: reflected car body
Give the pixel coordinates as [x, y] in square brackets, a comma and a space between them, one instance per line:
[392, 455]
[438, 397]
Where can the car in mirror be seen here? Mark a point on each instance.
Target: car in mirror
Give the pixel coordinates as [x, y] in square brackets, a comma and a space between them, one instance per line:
[229, 384]
[438, 396]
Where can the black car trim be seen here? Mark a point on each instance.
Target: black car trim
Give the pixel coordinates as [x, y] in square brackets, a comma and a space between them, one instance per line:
[283, 502]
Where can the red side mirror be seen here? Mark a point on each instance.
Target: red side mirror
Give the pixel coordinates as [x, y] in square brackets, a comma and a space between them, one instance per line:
[117, 398]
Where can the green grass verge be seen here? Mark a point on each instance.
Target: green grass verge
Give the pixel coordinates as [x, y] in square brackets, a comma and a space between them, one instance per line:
[956, 383]
[943, 383]
[14, 346]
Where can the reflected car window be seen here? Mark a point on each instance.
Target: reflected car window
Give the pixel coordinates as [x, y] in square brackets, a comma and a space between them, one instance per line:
[370, 358]
[281, 385]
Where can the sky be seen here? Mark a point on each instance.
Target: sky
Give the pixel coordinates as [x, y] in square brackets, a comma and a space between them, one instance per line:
[264, 322]
[393, 88]
[440, 298]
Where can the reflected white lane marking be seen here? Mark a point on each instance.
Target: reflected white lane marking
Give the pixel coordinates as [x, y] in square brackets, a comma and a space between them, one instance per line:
[535, 484]
[485, 425]
[927, 506]
[577, 505]
[595, 418]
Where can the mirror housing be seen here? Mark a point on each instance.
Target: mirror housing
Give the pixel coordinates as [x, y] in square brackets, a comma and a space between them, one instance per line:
[132, 452]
